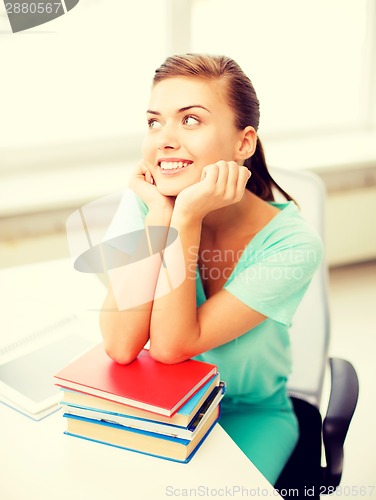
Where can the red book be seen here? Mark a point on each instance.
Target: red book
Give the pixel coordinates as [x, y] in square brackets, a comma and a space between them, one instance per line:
[144, 383]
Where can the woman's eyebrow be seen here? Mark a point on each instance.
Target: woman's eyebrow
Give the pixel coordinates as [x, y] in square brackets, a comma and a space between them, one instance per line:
[181, 110]
[186, 108]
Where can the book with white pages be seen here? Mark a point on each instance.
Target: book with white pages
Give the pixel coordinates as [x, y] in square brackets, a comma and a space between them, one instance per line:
[189, 432]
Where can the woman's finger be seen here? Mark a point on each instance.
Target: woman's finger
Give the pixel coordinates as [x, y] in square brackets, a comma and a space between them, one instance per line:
[223, 171]
[210, 173]
[232, 180]
[244, 175]
[149, 177]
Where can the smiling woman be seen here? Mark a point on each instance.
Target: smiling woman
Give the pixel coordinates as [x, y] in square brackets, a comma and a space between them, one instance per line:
[203, 174]
[202, 130]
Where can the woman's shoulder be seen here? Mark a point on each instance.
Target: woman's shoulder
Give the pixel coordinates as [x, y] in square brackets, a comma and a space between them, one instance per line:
[291, 223]
[288, 230]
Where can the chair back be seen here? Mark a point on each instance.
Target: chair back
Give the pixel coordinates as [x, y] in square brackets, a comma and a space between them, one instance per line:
[310, 327]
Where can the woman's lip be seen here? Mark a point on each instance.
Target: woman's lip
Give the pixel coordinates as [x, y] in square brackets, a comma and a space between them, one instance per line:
[174, 160]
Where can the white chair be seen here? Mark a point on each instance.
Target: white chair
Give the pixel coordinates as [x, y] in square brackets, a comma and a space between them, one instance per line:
[310, 336]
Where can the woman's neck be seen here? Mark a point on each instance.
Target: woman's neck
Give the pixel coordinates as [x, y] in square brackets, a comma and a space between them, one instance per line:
[248, 215]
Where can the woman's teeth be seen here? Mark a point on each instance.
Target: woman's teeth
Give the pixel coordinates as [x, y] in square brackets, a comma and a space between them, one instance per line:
[172, 165]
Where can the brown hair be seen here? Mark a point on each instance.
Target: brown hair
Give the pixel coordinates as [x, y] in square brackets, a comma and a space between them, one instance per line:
[242, 99]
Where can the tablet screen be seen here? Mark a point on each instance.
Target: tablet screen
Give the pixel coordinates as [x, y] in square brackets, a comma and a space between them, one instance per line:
[31, 375]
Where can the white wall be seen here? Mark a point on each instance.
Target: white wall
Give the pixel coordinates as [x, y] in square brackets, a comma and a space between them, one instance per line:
[74, 91]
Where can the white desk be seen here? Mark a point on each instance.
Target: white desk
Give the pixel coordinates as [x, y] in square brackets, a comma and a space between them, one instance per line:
[38, 461]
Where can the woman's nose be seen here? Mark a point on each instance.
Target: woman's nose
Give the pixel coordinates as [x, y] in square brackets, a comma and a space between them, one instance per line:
[168, 138]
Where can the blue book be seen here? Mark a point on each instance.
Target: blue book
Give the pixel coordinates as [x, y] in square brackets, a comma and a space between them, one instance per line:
[189, 432]
[149, 443]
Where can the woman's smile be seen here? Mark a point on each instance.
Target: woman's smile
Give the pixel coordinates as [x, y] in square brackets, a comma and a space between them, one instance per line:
[173, 166]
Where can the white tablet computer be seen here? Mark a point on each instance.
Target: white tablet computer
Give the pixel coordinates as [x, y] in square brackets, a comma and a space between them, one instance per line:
[49, 316]
[26, 378]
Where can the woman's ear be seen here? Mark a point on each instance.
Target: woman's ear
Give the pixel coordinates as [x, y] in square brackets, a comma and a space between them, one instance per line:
[247, 145]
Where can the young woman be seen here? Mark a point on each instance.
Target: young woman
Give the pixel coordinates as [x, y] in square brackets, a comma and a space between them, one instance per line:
[248, 260]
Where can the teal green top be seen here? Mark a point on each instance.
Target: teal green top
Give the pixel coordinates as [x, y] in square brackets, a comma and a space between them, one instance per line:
[271, 277]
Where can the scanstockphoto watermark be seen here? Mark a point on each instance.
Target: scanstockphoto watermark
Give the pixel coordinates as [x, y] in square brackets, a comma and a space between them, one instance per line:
[26, 14]
[289, 264]
[224, 491]
[253, 273]
[109, 236]
[241, 491]
[289, 255]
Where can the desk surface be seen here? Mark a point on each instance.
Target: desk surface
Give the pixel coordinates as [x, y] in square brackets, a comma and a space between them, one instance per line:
[38, 461]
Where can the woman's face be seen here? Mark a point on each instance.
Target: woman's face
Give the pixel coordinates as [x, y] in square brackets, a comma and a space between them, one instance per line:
[190, 125]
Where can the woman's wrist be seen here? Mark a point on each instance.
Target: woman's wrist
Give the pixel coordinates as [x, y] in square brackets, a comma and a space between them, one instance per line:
[160, 210]
[185, 218]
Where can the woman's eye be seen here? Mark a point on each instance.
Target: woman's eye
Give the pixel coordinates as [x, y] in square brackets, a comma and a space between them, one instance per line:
[190, 120]
[153, 123]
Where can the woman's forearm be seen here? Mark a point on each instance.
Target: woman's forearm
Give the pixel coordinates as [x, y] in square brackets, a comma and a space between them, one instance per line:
[126, 312]
[174, 328]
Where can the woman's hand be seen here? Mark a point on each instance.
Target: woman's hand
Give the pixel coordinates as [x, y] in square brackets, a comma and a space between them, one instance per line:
[222, 184]
[142, 183]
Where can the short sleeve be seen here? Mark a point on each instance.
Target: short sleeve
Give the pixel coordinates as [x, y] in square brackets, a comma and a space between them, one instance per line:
[274, 275]
[129, 215]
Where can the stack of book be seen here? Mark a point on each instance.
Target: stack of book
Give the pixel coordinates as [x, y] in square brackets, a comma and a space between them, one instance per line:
[164, 410]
